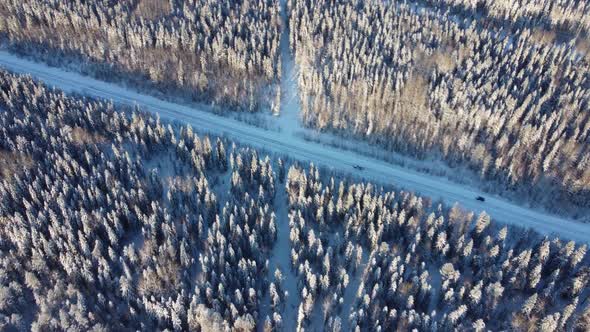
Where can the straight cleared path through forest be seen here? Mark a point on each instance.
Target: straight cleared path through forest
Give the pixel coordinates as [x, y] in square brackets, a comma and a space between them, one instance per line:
[297, 148]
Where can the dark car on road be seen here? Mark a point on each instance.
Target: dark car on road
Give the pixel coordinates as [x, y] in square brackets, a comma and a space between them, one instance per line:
[480, 198]
[358, 167]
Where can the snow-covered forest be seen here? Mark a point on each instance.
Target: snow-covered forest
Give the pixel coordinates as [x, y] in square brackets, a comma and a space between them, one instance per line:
[564, 16]
[499, 88]
[111, 219]
[510, 99]
[220, 52]
[414, 264]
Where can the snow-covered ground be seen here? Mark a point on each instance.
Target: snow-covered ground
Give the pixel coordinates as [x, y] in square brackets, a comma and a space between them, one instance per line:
[288, 120]
[281, 259]
[287, 143]
[352, 290]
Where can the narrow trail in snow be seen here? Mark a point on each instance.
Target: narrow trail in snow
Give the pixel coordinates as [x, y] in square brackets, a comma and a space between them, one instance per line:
[289, 119]
[289, 122]
[281, 258]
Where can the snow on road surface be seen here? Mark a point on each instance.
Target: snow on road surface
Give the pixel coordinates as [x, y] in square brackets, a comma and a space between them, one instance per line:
[285, 142]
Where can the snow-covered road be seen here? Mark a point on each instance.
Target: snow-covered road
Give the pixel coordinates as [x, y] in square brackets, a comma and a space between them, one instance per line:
[296, 147]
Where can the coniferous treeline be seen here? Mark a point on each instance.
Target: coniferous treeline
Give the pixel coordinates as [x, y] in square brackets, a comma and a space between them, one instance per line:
[424, 266]
[221, 52]
[113, 223]
[426, 82]
[565, 17]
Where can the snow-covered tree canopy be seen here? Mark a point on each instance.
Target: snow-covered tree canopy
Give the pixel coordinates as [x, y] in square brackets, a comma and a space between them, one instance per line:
[112, 219]
[220, 52]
